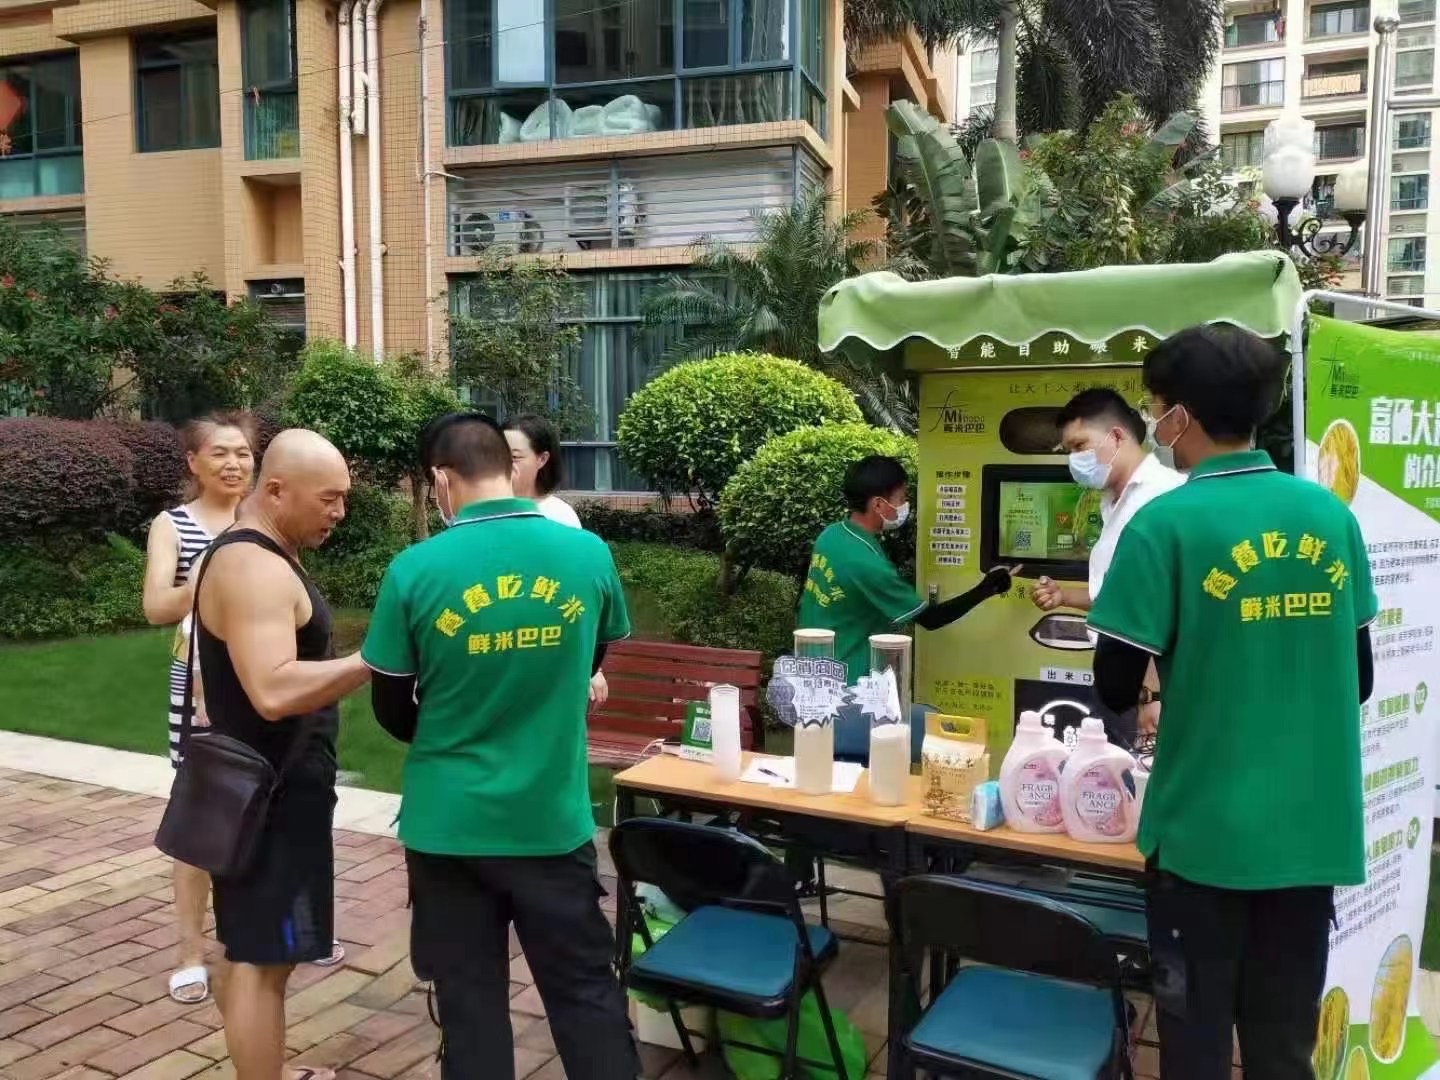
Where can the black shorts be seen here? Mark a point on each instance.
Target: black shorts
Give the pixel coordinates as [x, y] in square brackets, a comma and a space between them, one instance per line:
[283, 910]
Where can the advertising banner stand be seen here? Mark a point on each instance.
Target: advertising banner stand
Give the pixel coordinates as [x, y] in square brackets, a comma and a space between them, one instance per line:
[997, 358]
[1367, 426]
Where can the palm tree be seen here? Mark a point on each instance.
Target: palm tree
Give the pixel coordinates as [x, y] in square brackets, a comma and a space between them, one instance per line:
[765, 296]
[1061, 62]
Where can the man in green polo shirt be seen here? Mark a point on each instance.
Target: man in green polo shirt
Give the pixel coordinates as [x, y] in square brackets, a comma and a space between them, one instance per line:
[853, 588]
[1251, 591]
[482, 643]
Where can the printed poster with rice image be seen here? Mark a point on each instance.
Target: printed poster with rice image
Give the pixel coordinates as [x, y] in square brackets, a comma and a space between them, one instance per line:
[1373, 438]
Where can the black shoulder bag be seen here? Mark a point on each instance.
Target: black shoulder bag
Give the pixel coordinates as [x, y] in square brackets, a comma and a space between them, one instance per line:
[223, 789]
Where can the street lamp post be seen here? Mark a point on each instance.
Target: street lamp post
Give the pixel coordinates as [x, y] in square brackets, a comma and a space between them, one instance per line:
[1288, 172]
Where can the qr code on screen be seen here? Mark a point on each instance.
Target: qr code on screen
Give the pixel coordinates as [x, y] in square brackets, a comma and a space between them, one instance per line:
[701, 731]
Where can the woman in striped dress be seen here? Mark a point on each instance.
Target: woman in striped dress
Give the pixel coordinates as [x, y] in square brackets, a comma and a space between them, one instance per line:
[219, 453]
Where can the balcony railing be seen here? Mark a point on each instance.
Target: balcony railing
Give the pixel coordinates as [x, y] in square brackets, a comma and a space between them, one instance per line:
[1339, 144]
[1405, 286]
[1338, 21]
[1246, 31]
[272, 125]
[1410, 202]
[1344, 84]
[1417, 11]
[1252, 95]
[1410, 264]
[643, 202]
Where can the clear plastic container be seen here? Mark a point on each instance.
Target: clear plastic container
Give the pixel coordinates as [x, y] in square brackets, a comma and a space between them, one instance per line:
[815, 742]
[725, 730]
[890, 726]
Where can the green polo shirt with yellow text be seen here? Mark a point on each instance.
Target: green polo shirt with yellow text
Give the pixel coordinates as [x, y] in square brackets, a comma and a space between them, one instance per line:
[1249, 586]
[498, 617]
[853, 588]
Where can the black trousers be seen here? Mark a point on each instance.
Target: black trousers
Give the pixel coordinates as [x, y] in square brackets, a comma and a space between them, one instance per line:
[1228, 961]
[460, 939]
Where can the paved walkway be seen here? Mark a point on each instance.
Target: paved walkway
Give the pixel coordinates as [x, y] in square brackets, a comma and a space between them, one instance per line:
[87, 944]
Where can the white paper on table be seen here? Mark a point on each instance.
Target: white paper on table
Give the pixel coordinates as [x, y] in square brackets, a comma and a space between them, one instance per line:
[780, 772]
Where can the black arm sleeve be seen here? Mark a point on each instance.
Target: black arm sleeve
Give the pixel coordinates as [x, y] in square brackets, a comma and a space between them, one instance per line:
[937, 616]
[393, 699]
[600, 648]
[1367, 663]
[1119, 673]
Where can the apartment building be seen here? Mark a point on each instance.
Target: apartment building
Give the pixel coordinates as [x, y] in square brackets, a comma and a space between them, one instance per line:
[348, 163]
[1315, 57]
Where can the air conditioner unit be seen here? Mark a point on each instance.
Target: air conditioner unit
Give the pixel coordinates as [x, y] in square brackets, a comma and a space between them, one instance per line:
[276, 289]
[474, 232]
[593, 212]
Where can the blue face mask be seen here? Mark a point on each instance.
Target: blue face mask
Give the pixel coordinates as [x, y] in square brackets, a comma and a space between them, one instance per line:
[1089, 471]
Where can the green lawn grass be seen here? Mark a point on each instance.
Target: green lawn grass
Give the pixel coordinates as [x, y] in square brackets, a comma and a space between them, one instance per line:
[112, 691]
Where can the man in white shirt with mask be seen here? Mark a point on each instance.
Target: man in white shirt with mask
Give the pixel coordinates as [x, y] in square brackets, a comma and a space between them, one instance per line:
[1105, 439]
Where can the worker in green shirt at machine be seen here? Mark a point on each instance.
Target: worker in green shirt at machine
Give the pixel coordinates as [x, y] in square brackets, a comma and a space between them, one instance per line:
[1250, 591]
[854, 589]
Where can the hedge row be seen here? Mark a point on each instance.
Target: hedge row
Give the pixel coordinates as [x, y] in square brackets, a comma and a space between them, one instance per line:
[85, 478]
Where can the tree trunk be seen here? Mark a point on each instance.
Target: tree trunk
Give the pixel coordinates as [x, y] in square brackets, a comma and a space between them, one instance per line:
[1007, 61]
[419, 510]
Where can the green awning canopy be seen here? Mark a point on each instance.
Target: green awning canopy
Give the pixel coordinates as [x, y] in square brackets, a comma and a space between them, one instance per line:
[963, 320]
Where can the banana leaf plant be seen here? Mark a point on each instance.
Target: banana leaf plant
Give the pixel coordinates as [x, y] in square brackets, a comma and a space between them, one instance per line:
[949, 216]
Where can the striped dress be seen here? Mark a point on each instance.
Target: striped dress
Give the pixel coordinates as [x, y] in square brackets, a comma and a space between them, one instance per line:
[193, 540]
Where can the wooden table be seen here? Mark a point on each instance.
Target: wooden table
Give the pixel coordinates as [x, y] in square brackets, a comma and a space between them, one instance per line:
[1009, 845]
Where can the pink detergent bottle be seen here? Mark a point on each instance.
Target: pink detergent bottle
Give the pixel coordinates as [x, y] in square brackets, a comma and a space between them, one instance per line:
[1097, 792]
[1030, 778]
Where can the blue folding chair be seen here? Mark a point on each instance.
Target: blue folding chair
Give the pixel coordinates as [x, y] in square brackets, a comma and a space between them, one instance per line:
[1037, 995]
[743, 945]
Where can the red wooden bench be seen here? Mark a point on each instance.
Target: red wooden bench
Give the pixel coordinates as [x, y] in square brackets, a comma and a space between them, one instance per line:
[652, 682]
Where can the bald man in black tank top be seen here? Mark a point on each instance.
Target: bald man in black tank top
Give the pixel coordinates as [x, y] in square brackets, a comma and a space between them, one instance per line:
[264, 643]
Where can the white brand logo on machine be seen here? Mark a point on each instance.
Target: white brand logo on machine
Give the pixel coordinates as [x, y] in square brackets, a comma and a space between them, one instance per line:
[952, 418]
[806, 691]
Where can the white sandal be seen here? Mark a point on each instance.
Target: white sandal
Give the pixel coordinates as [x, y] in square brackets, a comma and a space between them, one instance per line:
[189, 977]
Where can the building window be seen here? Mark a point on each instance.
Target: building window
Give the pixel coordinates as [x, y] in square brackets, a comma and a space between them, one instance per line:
[1417, 11]
[267, 48]
[1252, 84]
[1410, 192]
[1412, 131]
[1420, 38]
[177, 92]
[531, 70]
[40, 130]
[1414, 70]
[984, 64]
[1322, 197]
[618, 353]
[1338, 79]
[1404, 286]
[1338, 142]
[1327, 20]
[1406, 254]
[1256, 28]
[1242, 149]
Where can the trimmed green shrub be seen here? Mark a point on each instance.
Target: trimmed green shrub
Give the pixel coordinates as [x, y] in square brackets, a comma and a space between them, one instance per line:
[679, 590]
[349, 568]
[700, 530]
[62, 476]
[688, 430]
[159, 470]
[93, 589]
[778, 501]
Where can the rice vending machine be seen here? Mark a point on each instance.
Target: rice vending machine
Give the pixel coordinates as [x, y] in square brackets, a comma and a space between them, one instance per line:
[995, 490]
